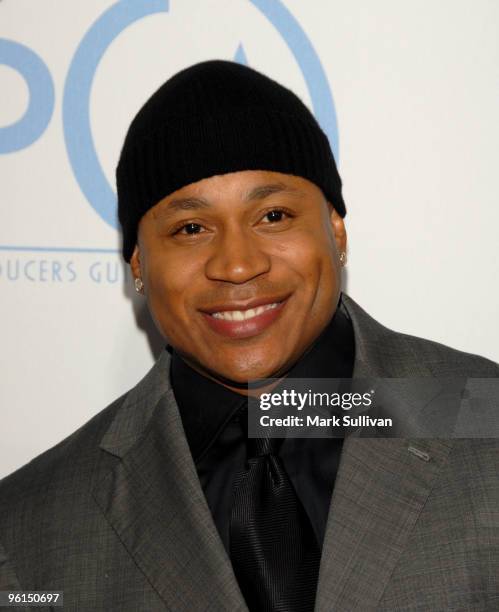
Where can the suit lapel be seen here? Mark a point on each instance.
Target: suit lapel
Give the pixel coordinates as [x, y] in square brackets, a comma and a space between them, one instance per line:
[154, 502]
[380, 489]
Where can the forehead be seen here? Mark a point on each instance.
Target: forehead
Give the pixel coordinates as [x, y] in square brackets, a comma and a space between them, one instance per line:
[245, 186]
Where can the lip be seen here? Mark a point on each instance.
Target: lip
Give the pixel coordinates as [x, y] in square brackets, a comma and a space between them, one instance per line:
[249, 327]
[262, 301]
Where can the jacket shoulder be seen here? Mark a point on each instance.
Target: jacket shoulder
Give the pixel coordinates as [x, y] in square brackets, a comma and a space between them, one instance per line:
[402, 354]
[444, 360]
[75, 455]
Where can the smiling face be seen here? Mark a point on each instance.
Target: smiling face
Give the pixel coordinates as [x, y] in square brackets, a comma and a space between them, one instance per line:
[241, 271]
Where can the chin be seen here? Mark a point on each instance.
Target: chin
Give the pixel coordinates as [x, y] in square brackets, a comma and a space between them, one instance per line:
[251, 372]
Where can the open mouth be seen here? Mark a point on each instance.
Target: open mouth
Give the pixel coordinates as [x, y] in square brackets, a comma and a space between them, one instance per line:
[244, 315]
[244, 322]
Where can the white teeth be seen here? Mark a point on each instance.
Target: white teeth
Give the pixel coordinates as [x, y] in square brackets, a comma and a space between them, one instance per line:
[242, 315]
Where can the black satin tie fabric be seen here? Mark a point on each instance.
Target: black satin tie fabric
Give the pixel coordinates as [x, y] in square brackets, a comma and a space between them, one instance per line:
[273, 548]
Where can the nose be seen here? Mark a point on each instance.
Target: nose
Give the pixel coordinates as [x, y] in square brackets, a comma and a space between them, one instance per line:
[237, 257]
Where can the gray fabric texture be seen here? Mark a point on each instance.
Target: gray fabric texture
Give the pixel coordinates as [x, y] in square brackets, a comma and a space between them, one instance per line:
[115, 516]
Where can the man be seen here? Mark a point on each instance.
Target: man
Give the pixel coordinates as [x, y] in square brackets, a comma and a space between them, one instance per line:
[232, 218]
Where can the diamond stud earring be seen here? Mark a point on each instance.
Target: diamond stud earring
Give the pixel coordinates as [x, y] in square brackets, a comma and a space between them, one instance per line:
[139, 285]
[343, 258]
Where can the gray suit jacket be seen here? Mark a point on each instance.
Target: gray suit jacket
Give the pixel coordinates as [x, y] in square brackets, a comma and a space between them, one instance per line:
[116, 518]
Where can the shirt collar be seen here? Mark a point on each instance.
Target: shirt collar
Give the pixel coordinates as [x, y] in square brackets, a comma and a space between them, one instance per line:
[206, 406]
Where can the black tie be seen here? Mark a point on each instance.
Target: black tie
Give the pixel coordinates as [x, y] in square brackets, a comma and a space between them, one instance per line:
[273, 547]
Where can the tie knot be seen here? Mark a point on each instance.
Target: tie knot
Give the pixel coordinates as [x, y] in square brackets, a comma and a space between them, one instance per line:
[263, 446]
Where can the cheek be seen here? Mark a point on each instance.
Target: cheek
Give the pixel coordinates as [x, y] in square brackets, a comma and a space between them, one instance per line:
[320, 284]
[169, 286]
[311, 256]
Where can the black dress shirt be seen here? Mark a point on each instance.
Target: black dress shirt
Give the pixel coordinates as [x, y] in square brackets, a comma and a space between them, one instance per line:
[211, 416]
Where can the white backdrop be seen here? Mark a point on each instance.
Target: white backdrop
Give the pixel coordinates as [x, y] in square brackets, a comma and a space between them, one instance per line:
[412, 85]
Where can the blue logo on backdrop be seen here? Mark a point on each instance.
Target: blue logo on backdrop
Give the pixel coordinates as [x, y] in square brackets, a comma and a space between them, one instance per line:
[32, 124]
[76, 100]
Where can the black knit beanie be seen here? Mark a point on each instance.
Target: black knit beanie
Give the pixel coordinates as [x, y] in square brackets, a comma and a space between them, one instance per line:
[213, 118]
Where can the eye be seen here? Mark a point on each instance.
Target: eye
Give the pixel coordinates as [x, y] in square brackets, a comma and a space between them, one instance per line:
[275, 215]
[189, 229]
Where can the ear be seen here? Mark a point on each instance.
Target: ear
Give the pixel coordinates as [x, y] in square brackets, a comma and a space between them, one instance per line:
[339, 230]
[135, 263]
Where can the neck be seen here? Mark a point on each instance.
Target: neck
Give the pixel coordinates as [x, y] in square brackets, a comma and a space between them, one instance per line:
[247, 388]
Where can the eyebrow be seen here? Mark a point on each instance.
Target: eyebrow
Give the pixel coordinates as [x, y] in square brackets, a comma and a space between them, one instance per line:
[181, 204]
[257, 193]
[263, 191]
